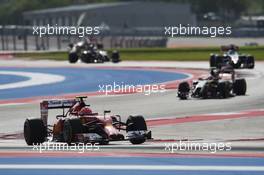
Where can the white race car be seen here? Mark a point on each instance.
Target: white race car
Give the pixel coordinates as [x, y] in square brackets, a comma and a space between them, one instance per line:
[233, 58]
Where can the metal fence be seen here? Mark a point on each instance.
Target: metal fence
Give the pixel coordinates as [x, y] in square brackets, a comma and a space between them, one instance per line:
[21, 38]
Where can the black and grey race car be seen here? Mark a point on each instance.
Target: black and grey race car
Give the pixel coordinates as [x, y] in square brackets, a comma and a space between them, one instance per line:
[220, 84]
[91, 53]
[233, 58]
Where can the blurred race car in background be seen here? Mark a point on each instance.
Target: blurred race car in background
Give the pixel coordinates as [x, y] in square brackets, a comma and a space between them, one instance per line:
[221, 83]
[80, 124]
[233, 58]
[88, 52]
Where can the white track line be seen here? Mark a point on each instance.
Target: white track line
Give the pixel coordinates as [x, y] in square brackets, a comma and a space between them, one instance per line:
[34, 79]
[132, 167]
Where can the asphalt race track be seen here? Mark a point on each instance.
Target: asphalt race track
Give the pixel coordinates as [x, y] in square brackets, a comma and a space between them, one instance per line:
[131, 165]
[238, 120]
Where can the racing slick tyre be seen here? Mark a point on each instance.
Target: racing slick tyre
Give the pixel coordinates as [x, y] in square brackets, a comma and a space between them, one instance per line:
[100, 59]
[240, 87]
[106, 142]
[115, 56]
[106, 59]
[223, 89]
[35, 131]
[136, 123]
[70, 128]
[250, 62]
[204, 92]
[73, 57]
[183, 90]
[86, 57]
[213, 60]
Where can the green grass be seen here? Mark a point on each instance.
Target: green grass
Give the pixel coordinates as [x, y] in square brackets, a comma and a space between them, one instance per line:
[177, 54]
[43, 55]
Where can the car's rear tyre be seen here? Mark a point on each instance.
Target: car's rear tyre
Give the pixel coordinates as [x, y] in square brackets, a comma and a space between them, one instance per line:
[106, 59]
[87, 57]
[240, 87]
[73, 57]
[217, 61]
[115, 56]
[106, 142]
[70, 128]
[204, 92]
[136, 123]
[100, 58]
[223, 89]
[183, 90]
[251, 62]
[213, 60]
[35, 131]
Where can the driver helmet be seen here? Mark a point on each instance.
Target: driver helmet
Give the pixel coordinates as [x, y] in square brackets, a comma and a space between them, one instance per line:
[85, 111]
[233, 47]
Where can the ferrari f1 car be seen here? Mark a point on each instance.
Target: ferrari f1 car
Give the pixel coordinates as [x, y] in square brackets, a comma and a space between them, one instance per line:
[90, 53]
[233, 58]
[80, 125]
[222, 83]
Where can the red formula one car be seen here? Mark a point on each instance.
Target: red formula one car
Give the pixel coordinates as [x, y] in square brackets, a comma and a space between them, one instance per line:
[80, 124]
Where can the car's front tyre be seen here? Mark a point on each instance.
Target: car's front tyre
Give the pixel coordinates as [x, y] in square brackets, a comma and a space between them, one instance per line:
[70, 128]
[73, 57]
[135, 124]
[240, 87]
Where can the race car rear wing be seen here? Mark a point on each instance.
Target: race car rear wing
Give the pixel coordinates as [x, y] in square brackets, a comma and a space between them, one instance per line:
[54, 104]
[229, 47]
